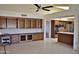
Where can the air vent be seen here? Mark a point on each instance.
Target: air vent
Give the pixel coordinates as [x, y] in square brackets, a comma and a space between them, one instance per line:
[23, 15]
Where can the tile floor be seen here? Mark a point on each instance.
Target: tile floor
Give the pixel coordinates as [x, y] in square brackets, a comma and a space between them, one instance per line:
[48, 46]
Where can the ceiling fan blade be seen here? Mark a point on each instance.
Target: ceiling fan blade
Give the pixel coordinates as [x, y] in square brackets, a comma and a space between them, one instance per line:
[45, 9]
[37, 10]
[37, 5]
[48, 7]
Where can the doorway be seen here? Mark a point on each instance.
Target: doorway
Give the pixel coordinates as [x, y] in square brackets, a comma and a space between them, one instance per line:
[47, 29]
[63, 29]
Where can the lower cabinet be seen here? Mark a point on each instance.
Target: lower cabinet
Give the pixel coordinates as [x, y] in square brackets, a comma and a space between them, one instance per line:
[29, 37]
[15, 38]
[23, 37]
[65, 38]
[37, 36]
[68, 39]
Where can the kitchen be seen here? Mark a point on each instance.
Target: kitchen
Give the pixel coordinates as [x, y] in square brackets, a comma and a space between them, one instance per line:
[63, 29]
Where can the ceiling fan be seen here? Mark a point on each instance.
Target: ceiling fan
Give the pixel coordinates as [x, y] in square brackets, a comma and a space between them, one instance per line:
[60, 7]
[43, 8]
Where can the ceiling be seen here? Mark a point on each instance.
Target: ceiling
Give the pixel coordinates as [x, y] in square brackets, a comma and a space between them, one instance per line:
[31, 8]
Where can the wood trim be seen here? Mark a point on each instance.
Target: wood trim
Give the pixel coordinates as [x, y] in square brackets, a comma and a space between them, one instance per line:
[2, 22]
[17, 23]
[53, 28]
[6, 23]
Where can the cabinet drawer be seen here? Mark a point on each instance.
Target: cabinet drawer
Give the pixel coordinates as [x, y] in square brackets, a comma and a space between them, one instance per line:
[37, 36]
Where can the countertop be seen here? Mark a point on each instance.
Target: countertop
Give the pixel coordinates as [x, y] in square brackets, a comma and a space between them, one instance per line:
[70, 33]
[16, 33]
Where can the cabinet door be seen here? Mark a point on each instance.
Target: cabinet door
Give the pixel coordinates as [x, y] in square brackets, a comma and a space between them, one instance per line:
[33, 23]
[21, 23]
[38, 23]
[2, 22]
[68, 39]
[11, 22]
[27, 23]
[60, 38]
[37, 36]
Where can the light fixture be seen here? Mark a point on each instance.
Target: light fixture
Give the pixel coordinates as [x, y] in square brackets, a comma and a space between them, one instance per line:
[23, 15]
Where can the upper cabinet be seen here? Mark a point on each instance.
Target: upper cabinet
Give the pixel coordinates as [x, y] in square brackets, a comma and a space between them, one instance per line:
[38, 23]
[33, 23]
[2, 22]
[17, 22]
[11, 22]
[27, 23]
[21, 23]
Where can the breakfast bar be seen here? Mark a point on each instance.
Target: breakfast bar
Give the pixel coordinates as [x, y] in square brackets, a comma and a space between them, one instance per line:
[65, 37]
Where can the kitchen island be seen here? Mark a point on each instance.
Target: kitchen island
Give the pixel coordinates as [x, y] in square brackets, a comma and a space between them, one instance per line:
[66, 37]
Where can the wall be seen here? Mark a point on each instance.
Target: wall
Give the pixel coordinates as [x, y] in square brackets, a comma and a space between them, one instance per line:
[18, 14]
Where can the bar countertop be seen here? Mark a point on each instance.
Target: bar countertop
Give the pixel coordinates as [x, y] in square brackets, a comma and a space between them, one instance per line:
[70, 33]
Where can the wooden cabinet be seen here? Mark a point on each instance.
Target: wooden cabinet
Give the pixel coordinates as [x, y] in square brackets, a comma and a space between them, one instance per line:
[37, 36]
[65, 38]
[11, 22]
[23, 37]
[2, 22]
[15, 38]
[21, 23]
[27, 23]
[38, 23]
[33, 23]
[53, 28]
[17, 22]
[60, 38]
[68, 39]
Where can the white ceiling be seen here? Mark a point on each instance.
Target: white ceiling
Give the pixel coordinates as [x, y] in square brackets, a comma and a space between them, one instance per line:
[30, 8]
